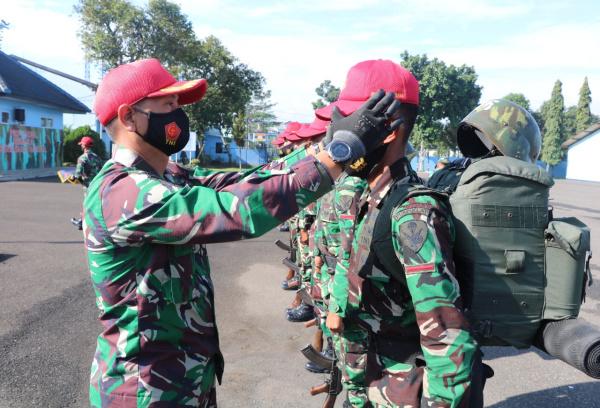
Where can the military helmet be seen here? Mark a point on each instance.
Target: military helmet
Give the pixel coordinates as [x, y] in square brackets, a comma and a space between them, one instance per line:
[503, 126]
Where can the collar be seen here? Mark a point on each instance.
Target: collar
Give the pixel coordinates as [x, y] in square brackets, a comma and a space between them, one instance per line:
[130, 158]
[396, 171]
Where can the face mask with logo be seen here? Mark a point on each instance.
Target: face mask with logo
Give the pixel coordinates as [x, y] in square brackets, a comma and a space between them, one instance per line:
[168, 132]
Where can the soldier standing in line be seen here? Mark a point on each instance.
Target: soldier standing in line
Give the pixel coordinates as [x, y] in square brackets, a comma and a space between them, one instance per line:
[419, 348]
[146, 222]
[299, 311]
[88, 165]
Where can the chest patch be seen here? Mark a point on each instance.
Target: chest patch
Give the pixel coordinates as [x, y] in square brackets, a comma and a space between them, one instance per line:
[413, 234]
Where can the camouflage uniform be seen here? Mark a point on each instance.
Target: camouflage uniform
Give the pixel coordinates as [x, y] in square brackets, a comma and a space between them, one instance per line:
[88, 165]
[306, 218]
[413, 310]
[351, 343]
[145, 237]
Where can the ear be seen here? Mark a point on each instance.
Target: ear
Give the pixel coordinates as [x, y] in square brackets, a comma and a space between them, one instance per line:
[390, 138]
[125, 115]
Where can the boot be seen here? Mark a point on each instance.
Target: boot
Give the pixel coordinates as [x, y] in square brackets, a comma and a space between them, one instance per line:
[302, 313]
[77, 222]
[292, 284]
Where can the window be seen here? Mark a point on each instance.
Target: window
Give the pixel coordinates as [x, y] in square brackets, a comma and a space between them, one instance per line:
[219, 148]
[47, 122]
[5, 117]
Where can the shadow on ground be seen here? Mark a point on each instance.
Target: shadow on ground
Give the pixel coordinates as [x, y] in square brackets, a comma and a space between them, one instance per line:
[568, 396]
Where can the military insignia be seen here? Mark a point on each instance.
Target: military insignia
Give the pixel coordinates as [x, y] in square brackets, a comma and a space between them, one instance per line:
[343, 203]
[413, 234]
[172, 133]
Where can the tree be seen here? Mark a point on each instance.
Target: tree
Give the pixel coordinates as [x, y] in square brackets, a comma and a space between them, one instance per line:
[259, 113]
[239, 129]
[519, 99]
[4, 25]
[447, 94]
[584, 114]
[554, 127]
[327, 93]
[115, 32]
[570, 123]
[71, 149]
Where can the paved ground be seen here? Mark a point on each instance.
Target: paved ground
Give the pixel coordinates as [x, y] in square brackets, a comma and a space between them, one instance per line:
[48, 326]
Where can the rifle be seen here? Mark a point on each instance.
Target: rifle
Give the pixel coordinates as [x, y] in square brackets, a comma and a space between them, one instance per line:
[288, 262]
[333, 385]
[283, 245]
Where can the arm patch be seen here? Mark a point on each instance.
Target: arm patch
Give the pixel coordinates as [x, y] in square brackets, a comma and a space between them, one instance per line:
[413, 234]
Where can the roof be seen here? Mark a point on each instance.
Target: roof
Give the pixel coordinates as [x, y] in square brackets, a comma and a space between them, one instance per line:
[581, 135]
[18, 81]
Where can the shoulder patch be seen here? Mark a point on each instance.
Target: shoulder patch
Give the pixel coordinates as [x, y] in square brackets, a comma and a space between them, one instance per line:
[413, 234]
[343, 203]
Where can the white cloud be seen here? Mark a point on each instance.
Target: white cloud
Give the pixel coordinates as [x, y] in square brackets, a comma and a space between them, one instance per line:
[531, 62]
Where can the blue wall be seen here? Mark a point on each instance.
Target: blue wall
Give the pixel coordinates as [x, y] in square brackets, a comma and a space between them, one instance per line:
[33, 113]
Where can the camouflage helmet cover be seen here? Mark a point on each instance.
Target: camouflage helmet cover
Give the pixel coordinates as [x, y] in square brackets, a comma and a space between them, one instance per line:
[503, 124]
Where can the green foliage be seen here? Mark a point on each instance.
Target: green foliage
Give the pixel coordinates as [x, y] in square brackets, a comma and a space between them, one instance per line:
[259, 113]
[327, 93]
[519, 99]
[71, 150]
[584, 114]
[239, 130]
[554, 126]
[114, 32]
[447, 94]
[570, 121]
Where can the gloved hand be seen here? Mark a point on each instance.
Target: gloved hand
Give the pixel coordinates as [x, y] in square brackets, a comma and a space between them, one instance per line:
[365, 129]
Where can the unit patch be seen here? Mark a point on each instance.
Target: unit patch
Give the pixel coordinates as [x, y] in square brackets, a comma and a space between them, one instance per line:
[413, 234]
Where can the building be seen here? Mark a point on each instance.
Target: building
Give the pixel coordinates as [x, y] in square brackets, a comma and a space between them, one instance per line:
[31, 120]
[583, 154]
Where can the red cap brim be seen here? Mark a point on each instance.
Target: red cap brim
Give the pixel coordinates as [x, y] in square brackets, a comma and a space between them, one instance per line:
[292, 137]
[346, 107]
[188, 91]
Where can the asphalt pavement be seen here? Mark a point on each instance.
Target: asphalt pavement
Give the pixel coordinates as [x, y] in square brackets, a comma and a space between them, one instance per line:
[48, 315]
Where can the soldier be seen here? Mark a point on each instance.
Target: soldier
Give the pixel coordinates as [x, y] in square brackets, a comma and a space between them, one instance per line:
[419, 348]
[299, 311]
[146, 222]
[88, 165]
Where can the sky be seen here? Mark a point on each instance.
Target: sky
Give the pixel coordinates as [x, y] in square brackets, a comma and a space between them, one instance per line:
[515, 46]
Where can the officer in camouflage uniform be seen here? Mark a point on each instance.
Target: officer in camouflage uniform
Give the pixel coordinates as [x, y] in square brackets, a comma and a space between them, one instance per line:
[419, 348]
[145, 225]
[88, 165]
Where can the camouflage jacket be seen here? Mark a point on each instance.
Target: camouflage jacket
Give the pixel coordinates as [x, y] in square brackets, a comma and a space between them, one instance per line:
[347, 194]
[144, 236]
[427, 301]
[88, 165]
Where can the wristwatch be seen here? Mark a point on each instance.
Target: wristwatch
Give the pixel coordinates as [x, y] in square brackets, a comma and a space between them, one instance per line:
[339, 151]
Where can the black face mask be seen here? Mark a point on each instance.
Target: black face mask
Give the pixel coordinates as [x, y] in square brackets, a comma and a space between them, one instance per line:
[168, 132]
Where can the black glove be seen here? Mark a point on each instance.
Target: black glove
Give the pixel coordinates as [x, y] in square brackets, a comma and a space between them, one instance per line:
[365, 129]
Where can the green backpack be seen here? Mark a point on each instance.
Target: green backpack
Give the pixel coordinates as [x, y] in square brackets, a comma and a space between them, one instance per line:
[516, 267]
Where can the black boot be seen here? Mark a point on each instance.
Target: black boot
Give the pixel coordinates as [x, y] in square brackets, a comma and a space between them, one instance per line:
[302, 313]
[292, 284]
[77, 222]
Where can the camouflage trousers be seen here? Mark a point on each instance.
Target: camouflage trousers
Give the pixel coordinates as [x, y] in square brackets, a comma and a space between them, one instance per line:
[159, 392]
[351, 347]
[391, 383]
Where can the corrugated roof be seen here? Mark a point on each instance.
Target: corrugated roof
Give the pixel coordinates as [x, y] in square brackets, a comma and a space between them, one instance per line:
[581, 135]
[18, 81]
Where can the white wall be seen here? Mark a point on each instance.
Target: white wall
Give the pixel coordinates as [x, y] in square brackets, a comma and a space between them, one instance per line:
[584, 159]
